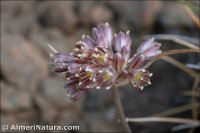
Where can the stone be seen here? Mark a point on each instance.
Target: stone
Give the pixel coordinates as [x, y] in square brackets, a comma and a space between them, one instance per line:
[99, 124]
[54, 36]
[68, 117]
[95, 13]
[18, 17]
[60, 14]
[13, 100]
[101, 98]
[168, 16]
[53, 90]
[138, 15]
[47, 111]
[21, 62]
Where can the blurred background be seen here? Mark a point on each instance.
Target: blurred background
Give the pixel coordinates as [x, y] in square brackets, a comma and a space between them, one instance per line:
[32, 94]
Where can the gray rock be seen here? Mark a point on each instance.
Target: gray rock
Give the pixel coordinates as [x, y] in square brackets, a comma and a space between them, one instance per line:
[48, 112]
[53, 90]
[21, 63]
[53, 36]
[174, 15]
[99, 124]
[18, 17]
[13, 100]
[95, 13]
[139, 15]
[59, 14]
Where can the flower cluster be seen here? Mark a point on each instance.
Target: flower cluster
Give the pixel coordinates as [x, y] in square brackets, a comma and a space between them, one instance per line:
[102, 61]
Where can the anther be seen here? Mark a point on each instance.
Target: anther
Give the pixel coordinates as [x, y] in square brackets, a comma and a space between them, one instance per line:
[96, 49]
[98, 87]
[100, 71]
[108, 87]
[107, 24]
[128, 32]
[151, 74]
[142, 88]
[83, 36]
[76, 49]
[51, 54]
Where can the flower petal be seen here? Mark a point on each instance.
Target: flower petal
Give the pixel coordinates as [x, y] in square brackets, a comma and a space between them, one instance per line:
[75, 68]
[104, 79]
[74, 93]
[149, 48]
[140, 78]
[121, 40]
[61, 61]
[118, 62]
[103, 35]
[137, 61]
[87, 42]
[122, 78]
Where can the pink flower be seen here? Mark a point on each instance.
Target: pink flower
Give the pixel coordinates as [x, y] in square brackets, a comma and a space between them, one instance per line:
[103, 60]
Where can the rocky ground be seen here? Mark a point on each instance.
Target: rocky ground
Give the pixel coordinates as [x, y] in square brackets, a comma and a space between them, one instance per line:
[32, 94]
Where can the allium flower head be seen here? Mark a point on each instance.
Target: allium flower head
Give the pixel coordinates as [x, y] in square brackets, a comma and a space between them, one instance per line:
[103, 60]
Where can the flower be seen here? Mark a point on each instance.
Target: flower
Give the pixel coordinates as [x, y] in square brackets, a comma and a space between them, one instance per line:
[103, 60]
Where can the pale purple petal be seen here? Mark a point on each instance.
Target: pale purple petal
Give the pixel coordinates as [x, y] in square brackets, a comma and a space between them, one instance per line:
[62, 58]
[103, 35]
[140, 78]
[137, 61]
[118, 62]
[149, 48]
[74, 68]
[88, 42]
[61, 61]
[121, 41]
[122, 78]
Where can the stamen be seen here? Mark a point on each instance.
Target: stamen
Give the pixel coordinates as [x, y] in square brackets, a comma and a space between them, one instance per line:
[87, 86]
[108, 87]
[100, 71]
[83, 36]
[79, 42]
[142, 88]
[143, 70]
[76, 49]
[106, 55]
[79, 55]
[98, 87]
[96, 49]
[128, 32]
[51, 54]
[107, 24]
[151, 74]
[159, 44]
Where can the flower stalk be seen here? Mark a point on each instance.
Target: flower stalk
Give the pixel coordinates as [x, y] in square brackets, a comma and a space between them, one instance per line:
[119, 109]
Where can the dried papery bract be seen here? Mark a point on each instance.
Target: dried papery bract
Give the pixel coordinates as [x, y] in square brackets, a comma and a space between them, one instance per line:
[103, 60]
